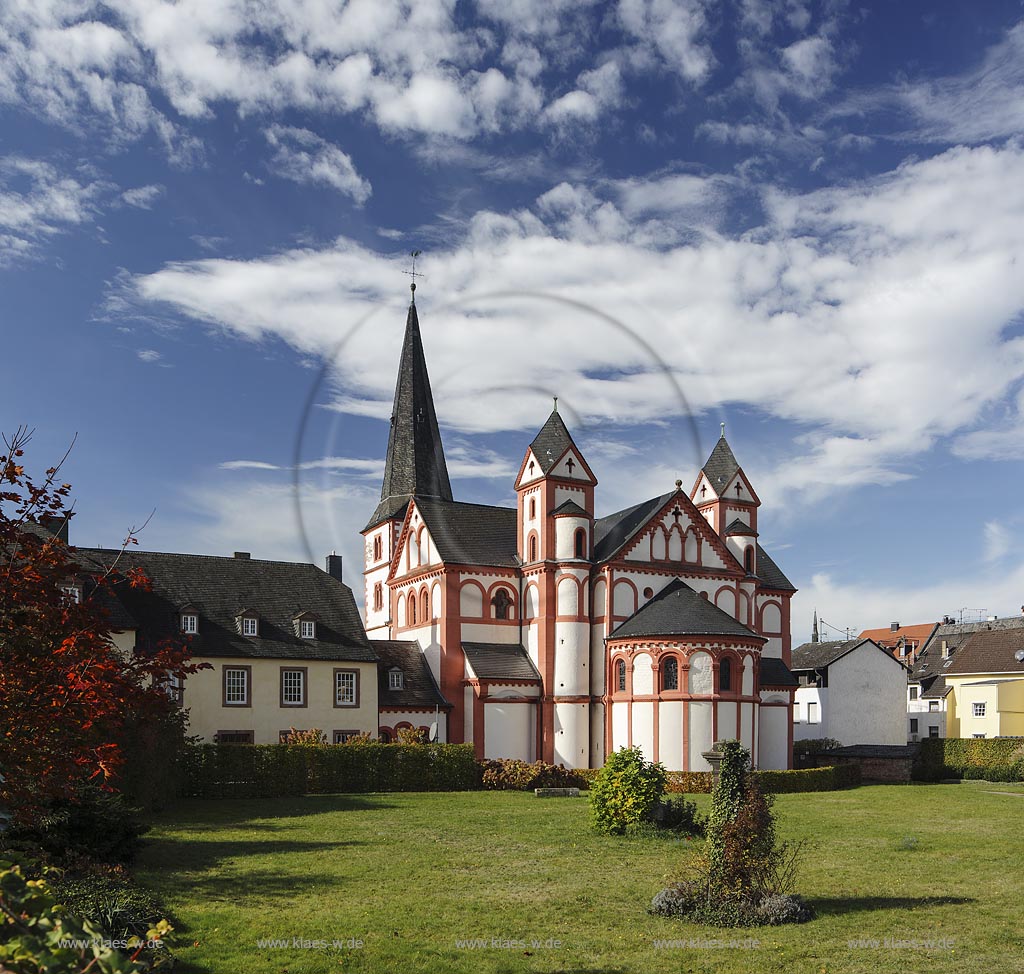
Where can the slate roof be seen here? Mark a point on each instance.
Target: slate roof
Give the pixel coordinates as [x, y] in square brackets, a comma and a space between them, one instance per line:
[615, 530]
[813, 656]
[775, 673]
[569, 507]
[930, 663]
[415, 462]
[933, 687]
[677, 610]
[500, 661]
[988, 652]
[220, 587]
[474, 534]
[721, 465]
[770, 574]
[420, 690]
[740, 527]
[551, 442]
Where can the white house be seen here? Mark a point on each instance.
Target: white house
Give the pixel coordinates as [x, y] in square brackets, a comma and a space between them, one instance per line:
[852, 691]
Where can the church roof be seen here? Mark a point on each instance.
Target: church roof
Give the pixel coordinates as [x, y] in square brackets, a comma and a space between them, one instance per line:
[569, 507]
[814, 656]
[775, 673]
[677, 610]
[218, 588]
[721, 466]
[551, 442]
[614, 530]
[770, 575]
[415, 460]
[740, 527]
[500, 661]
[473, 534]
[420, 690]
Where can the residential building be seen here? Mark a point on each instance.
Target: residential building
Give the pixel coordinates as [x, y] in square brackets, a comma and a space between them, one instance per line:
[853, 691]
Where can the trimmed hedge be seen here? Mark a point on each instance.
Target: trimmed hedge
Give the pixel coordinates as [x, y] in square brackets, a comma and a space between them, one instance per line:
[809, 779]
[276, 770]
[988, 759]
[777, 782]
[509, 774]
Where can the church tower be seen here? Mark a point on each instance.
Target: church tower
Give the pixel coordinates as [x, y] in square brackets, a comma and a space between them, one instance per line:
[415, 466]
[724, 496]
[555, 521]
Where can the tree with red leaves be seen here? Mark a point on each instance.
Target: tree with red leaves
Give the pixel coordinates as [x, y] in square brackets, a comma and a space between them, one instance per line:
[67, 693]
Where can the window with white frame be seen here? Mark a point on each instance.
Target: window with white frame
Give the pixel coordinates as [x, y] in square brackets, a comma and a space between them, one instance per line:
[307, 629]
[72, 593]
[978, 709]
[189, 622]
[914, 691]
[293, 688]
[346, 688]
[173, 687]
[250, 626]
[344, 736]
[396, 679]
[933, 705]
[236, 686]
[812, 712]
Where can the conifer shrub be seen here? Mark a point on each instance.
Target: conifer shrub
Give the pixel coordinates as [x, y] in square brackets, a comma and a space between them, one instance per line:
[627, 791]
[742, 876]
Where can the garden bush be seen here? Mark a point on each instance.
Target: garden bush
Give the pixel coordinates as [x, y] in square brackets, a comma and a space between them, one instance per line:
[808, 779]
[626, 792]
[35, 932]
[118, 907]
[510, 774]
[815, 745]
[689, 783]
[676, 814]
[97, 825]
[988, 759]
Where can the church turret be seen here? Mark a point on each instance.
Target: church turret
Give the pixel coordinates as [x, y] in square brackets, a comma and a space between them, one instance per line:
[555, 490]
[415, 466]
[723, 494]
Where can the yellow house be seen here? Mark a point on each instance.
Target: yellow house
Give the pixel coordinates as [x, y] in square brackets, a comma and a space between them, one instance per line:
[284, 642]
[985, 675]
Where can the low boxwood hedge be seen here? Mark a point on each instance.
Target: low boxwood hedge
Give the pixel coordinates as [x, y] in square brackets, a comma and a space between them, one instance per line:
[988, 759]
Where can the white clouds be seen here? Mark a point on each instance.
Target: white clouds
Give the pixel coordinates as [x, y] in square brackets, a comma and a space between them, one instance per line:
[37, 201]
[149, 355]
[998, 541]
[837, 314]
[303, 157]
[675, 30]
[142, 197]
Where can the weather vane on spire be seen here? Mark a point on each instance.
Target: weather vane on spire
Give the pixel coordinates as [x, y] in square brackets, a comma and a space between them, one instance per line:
[413, 273]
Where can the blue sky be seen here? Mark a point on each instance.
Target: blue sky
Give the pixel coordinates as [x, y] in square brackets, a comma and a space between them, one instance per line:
[809, 215]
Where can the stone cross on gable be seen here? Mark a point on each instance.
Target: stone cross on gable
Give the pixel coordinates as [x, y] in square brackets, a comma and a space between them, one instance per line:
[677, 514]
[739, 488]
[569, 463]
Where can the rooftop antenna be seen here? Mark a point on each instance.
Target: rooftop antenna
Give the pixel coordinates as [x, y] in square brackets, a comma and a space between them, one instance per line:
[413, 273]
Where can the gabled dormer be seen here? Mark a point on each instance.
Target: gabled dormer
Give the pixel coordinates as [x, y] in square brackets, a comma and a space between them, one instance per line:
[306, 624]
[722, 492]
[247, 622]
[553, 473]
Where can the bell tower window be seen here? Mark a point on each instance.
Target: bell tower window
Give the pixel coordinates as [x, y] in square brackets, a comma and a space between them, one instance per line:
[581, 543]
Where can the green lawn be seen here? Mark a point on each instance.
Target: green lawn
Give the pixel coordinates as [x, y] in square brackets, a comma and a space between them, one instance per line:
[409, 875]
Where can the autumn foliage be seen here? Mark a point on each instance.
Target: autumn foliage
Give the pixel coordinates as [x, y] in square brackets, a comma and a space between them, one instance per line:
[67, 695]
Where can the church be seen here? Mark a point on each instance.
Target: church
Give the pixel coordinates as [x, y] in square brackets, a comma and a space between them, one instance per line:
[559, 636]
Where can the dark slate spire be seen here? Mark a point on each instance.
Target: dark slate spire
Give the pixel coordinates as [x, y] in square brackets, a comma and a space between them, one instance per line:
[415, 462]
[552, 441]
[721, 465]
[814, 631]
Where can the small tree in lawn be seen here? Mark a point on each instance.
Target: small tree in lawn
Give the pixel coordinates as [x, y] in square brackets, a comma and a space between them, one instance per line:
[626, 791]
[742, 877]
[67, 696]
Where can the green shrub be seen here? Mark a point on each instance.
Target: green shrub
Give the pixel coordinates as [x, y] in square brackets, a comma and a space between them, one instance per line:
[509, 774]
[118, 907]
[626, 792]
[33, 928]
[98, 825]
[676, 814]
[815, 745]
[989, 759]
[275, 770]
[808, 779]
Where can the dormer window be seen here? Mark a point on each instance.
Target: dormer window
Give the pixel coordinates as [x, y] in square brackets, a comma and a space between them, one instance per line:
[189, 623]
[248, 623]
[72, 592]
[396, 679]
[305, 625]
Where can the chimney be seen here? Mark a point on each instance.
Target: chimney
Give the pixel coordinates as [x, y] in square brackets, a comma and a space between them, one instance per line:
[334, 566]
[894, 627]
[242, 555]
[57, 525]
